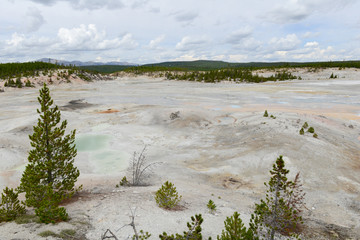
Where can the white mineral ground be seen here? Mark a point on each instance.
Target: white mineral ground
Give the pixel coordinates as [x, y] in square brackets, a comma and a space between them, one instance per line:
[220, 148]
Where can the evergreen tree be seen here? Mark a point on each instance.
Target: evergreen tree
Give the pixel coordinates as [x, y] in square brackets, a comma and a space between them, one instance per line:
[50, 176]
[235, 229]
[194, 232]
[10, 206]
[275, 214]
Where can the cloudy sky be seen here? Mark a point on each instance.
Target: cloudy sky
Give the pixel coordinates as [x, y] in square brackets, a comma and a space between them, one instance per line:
[146, 31]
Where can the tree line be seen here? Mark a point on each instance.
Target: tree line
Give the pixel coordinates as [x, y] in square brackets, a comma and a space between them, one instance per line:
[236, 75]
[14, 70]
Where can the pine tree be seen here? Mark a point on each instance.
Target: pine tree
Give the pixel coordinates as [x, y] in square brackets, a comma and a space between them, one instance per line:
[266, 113]
[50, 176]
[194, 232]
[10, 206]
[167, 196]
[235, 229]
[275, 214]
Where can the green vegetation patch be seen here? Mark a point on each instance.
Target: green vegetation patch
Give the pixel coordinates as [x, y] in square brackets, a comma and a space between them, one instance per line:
[48, 233]
[27, 218]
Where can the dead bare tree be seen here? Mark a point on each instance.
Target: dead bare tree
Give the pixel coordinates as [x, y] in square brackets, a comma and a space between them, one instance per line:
[108, 232]
[139, 167]
[137, 236]
[141, 235]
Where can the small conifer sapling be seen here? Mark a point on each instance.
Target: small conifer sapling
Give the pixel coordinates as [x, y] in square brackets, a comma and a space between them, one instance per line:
[167, 196]
[235, 229]
[266, 113]
[301, 131]
[311, 130]
[10, 206]
[211, 206]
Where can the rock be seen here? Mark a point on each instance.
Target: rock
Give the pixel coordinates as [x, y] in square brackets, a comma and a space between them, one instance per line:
[175, 115]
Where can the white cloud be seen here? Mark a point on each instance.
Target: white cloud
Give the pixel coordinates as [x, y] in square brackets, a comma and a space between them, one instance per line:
[186, 57]
[89, 38]
[310, 34]
[290, 28]
[248, 44]
[16, 40]
[221, 57]
[291, 11]
[316, 54]
[34, 19]
[237, 58]
[19, 45]
[304, 54]
[138, 3]
[154, 44]
[82, 38]
[311, 44]
[185, 17]
[290, 42]
[237, 36]
[191, 43]
[96, 4]
[127, 42]
[85, 4]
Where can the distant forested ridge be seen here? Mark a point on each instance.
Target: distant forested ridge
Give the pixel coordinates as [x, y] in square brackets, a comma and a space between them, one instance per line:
[29, 68]
[206, 65]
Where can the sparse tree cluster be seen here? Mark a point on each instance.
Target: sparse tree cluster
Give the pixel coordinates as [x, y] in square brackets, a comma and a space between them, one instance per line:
[309, 129]
[279, 214]
[232, 74]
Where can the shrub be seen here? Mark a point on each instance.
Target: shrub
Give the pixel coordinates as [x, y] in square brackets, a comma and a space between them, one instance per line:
[10, 207]
[167, 196]
[266, 114]
[139, 168]
[28, 84]
[306, 125]
[211, 206]
[235, 229]
[48, 233]
[27, 218]
[194, 232]
[67, 234]
[124, 182]
[301, 131]
[315, 135]
[333, 75]
[311, 130]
